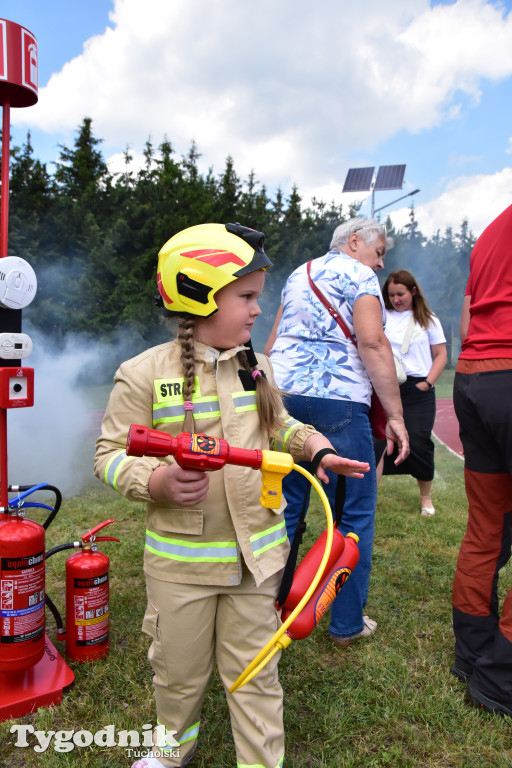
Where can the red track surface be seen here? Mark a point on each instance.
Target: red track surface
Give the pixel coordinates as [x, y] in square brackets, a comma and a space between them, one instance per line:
[446, 426]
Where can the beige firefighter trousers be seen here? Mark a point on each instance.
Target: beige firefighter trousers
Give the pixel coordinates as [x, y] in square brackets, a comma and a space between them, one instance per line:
[190, 626]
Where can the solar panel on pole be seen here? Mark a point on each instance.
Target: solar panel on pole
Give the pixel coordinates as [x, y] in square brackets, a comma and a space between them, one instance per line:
[358, 179]
[390, 177]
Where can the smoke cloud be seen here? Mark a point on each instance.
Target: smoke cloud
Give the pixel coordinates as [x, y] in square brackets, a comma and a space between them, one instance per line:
[53, 441]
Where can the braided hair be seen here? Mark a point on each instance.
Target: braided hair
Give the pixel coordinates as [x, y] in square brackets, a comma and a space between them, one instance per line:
[268, 398]
[186, 325]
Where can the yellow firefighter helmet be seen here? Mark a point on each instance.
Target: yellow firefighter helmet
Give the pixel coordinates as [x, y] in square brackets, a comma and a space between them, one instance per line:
[199, 261]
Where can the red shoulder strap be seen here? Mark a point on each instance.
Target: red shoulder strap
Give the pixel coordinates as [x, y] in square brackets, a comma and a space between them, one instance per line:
[332, 311]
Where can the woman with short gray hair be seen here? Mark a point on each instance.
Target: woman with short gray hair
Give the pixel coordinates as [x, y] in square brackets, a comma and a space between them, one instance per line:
[368, 229]
[327, 377]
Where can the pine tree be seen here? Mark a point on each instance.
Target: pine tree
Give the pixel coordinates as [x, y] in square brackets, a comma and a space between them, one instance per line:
[82, 171]
[229, 193]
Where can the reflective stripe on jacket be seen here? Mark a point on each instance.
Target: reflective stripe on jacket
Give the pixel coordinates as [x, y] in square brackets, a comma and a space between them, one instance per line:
[190, 545]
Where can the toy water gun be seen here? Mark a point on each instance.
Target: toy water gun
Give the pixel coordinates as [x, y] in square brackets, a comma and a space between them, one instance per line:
[198, 451]
[322, 572]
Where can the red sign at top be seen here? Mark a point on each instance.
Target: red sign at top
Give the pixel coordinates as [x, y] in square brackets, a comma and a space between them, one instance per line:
[3, 50]
[18, 65]
[29, 53]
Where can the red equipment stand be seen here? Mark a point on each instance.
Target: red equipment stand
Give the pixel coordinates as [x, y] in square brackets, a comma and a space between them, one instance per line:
[42, 684]
[39, 686]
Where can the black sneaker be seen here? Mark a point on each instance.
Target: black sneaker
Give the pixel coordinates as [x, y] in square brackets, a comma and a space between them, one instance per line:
[461, 674]
[486, 703]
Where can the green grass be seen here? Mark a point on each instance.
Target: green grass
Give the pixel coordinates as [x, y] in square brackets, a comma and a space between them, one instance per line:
[444, 384]
[389, 701]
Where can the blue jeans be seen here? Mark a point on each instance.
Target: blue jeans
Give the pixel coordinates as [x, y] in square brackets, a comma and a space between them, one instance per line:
[346, 424]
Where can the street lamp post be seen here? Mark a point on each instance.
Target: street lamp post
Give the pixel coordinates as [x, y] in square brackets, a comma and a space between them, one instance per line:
[414, 192]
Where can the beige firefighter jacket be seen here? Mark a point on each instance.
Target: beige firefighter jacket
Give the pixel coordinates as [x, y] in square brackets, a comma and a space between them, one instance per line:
[206, 545]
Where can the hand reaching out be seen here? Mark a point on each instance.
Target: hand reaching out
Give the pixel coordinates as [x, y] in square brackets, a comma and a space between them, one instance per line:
[338, 464]
[341, 466]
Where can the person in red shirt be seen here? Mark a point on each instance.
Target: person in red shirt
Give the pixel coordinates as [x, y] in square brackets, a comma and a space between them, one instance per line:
[483, 405]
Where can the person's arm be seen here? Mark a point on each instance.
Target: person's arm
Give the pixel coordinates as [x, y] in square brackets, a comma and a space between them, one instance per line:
[273, 333]
[439, 359]
[375, 352]
[464, 318]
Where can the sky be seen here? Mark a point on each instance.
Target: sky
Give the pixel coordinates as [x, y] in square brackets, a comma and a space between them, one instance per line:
[297, 92]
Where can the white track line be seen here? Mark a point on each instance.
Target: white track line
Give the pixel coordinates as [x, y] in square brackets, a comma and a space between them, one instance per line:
[448, 447]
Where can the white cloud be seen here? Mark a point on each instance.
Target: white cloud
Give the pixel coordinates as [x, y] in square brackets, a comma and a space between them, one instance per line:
[118, 165]
[476, 198]
[293, 90]
[449, 51]
[289, 91]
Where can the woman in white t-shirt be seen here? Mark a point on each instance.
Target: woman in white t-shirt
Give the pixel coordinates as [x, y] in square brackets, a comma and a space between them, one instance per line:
[423, 362]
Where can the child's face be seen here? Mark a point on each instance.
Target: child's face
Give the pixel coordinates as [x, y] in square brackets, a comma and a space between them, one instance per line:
[238, 308]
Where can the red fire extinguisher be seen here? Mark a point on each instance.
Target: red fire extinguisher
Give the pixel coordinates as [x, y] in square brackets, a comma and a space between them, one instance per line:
[332, 581]
[87, 599]
[22, 578]
[21, 591]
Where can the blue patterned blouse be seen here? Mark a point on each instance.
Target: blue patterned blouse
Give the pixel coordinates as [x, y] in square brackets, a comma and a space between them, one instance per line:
[311, 355]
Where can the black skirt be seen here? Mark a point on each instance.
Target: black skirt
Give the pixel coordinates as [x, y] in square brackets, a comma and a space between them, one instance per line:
[419, 415]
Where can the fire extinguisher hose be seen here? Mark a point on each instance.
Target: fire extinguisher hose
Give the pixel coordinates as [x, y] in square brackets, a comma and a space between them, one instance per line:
[279, 641]
[55, 613]
[26, 490]
[47, 599]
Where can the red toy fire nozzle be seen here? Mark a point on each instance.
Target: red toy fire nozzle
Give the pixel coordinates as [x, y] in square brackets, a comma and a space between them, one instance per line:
[198, 451]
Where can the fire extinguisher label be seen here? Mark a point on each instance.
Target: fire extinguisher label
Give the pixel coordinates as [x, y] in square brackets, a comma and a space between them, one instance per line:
[21, 598]
[91, 610]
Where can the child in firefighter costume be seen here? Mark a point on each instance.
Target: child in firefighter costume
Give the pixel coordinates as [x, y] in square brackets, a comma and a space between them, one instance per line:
[213, 555]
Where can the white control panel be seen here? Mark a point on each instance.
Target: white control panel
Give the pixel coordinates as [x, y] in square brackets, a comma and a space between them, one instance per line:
[15, 346]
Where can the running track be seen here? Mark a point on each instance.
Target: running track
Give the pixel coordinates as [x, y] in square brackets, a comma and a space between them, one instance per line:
[446, 427]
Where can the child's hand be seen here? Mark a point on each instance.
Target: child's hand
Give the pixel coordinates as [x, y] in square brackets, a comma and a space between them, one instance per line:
[182, 487]
[342, 466]
[338, 464]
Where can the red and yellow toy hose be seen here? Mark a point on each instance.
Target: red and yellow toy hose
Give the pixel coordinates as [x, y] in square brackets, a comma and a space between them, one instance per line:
[280, 640]
[198, 451]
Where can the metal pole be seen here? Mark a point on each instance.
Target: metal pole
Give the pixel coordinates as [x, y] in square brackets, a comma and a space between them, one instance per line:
[4, 217]
[4, 480]
[4, 213]
[397, 200]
